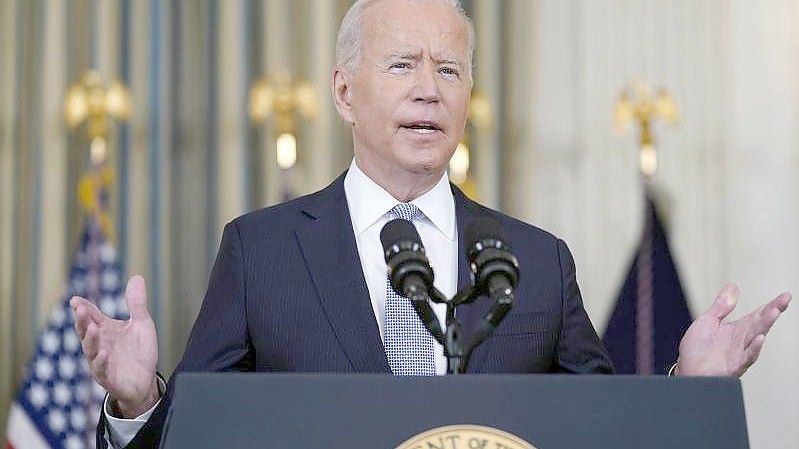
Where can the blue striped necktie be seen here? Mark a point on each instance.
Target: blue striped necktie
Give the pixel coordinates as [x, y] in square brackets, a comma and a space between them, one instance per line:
[409, 346]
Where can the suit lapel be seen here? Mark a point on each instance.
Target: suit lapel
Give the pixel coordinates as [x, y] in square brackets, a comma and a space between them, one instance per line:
[470, 315]
[331, 254]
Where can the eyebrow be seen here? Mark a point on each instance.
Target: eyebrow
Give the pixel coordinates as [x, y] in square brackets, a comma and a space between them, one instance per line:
[449, 61]
[404, 55]
[416, 55]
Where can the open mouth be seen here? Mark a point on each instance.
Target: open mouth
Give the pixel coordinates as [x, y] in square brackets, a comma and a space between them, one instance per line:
[422, 127]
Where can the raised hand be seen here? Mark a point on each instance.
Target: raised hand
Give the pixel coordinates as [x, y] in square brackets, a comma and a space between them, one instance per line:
[122, 354]
[712, 347]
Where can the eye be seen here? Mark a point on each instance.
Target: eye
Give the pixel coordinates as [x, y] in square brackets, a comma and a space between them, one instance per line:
[400, 66]
[449, 71]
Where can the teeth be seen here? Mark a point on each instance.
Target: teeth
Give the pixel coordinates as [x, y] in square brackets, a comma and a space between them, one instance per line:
[424, 129]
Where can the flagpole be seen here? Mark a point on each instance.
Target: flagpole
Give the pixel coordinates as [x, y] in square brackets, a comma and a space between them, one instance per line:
[631, 336]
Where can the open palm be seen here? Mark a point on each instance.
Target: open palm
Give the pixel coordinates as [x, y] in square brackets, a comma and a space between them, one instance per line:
[122, 354]
[713, 347]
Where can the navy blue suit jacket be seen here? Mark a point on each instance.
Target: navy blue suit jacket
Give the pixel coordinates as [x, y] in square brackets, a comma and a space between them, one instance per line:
[287, 293]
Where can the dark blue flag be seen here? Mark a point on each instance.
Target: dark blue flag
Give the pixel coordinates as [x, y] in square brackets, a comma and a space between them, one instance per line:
[651, 314]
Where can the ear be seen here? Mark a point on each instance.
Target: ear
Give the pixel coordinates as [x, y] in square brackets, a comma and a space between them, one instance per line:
[341, 85]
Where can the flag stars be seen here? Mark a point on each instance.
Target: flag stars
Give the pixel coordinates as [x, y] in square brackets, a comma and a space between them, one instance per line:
[44, 368]
[77, 418]
[110, 280]
[107, 253]
[56, 420]
[108, 306]
[37, 395]
[61, 394]
[50, 342]
[66, 366]
[74, 442]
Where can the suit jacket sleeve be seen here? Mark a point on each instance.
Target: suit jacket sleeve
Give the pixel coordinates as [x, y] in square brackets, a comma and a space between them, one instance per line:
[219, 340]
[579, 349]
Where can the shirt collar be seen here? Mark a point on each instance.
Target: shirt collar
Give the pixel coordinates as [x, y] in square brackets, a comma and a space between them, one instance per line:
[368, 202]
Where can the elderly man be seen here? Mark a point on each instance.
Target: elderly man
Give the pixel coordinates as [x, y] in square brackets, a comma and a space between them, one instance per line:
[302, 286]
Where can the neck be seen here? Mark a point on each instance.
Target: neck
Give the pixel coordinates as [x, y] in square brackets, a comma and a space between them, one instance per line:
[404, 186]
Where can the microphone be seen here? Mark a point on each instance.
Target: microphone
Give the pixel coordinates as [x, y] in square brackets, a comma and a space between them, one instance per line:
[409, 270]
[495, 272]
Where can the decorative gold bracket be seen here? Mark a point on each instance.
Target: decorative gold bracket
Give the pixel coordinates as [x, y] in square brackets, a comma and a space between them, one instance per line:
[283, 98]
[637, 102]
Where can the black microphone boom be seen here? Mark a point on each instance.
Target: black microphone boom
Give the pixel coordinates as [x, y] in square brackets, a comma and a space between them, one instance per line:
[409, 271]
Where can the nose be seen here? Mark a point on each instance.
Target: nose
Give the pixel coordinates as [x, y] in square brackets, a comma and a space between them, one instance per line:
[426, 86]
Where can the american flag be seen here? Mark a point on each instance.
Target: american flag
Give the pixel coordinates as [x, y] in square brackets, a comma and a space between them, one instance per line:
[59, 403]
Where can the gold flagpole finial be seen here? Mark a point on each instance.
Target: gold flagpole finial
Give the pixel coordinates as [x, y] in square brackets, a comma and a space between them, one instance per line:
[94, 103]
[284, 98]
[637, 102]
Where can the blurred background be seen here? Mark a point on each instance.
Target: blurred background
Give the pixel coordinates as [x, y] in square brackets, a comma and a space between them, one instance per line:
[197, 144]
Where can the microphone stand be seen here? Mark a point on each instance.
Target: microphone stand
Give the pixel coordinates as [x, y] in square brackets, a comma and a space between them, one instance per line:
[458, 357]
[453, 347]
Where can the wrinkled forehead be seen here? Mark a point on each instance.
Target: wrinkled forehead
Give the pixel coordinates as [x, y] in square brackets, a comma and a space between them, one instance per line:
[408, 27]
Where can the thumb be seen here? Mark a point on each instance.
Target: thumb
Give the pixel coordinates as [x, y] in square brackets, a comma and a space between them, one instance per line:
[724, 303]
[136, 297]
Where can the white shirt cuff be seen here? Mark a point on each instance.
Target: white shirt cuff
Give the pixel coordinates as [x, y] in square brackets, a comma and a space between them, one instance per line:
[121, 431]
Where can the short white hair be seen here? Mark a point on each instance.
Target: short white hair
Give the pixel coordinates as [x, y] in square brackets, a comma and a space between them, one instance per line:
[348, 42]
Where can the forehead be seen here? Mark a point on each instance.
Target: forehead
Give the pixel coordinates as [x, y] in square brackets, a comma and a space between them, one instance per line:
[391, 26]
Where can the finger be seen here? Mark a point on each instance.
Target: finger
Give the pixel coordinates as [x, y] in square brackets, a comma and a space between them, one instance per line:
[781, 302]
[96, 314]
[724, 303]
[85, 313]
[91, 341]
[767, 315]
[136, 297]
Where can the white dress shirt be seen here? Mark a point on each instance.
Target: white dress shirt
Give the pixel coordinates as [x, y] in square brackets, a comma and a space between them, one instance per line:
[369, 207]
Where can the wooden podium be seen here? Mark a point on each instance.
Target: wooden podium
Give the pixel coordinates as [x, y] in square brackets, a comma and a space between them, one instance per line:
[381, 411]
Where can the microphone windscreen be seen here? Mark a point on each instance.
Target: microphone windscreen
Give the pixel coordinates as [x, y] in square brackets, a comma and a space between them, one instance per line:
[481, 228]
[398, 230]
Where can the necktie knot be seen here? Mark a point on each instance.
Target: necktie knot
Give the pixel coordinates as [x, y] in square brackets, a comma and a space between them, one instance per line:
[406, 211]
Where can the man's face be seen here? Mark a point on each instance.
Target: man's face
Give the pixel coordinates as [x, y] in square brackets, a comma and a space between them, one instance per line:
[409, 94]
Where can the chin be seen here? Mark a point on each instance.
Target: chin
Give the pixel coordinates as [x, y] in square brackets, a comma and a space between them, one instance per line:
[427, 164]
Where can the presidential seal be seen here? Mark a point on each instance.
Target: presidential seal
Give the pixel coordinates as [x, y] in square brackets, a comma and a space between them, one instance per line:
[465, 437]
